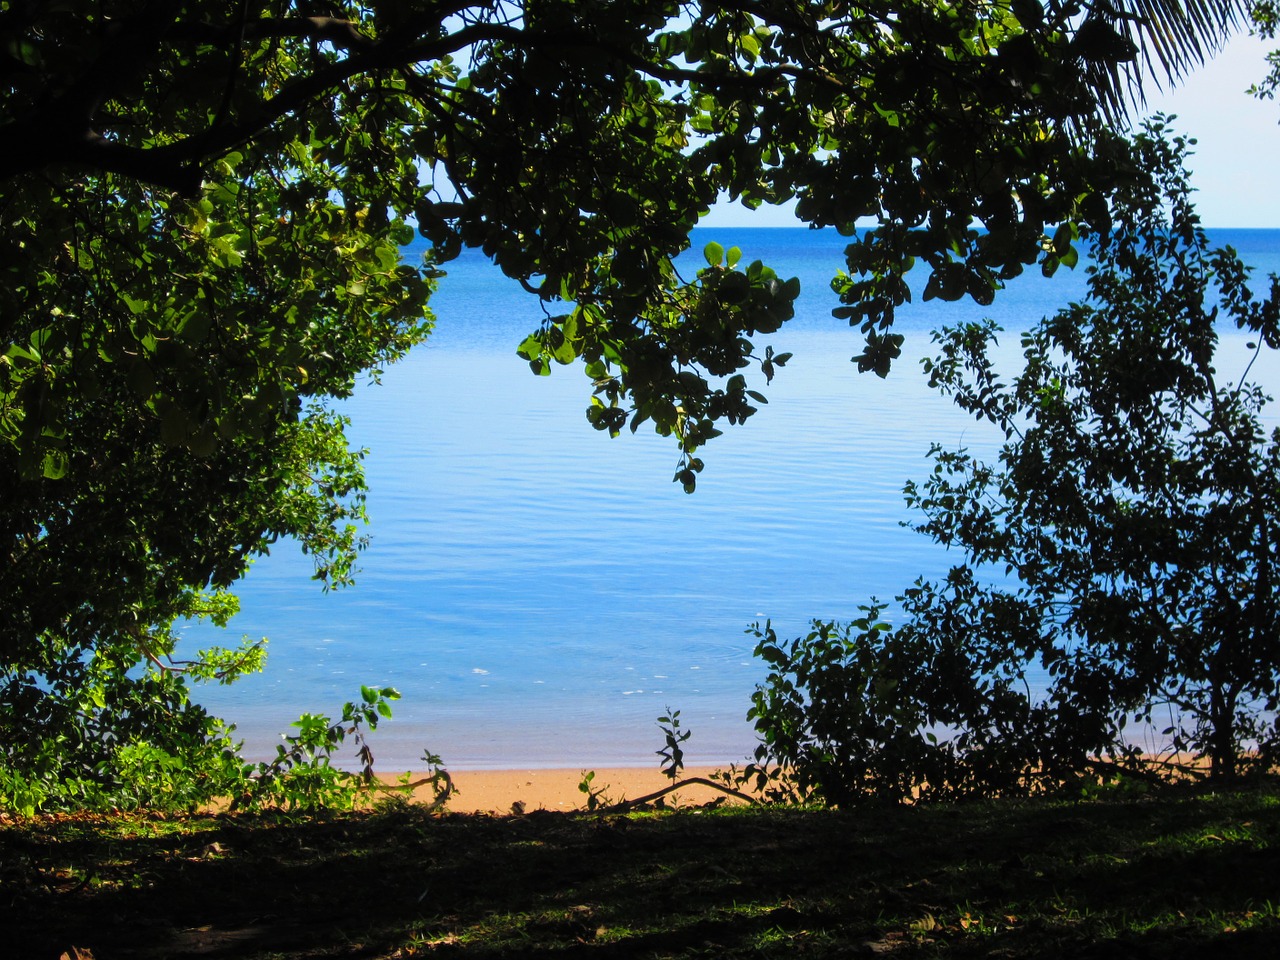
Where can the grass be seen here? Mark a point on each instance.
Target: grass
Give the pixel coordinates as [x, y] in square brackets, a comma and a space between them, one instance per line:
[1188, 873]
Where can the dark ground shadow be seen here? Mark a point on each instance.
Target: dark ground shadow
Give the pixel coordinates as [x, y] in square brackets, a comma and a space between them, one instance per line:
[1196, 875]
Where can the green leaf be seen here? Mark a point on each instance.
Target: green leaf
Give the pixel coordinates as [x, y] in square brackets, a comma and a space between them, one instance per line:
[531, 347]
[564, 353]
[713, 253]
[890, 116]
[195, 327]
[136, 306]
[54, 465]
[17, 352]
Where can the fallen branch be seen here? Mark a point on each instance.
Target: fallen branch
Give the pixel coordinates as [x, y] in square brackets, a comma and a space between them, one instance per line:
[625, 805]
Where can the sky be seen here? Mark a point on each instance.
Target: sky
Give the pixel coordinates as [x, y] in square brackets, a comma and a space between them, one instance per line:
[1236, 154]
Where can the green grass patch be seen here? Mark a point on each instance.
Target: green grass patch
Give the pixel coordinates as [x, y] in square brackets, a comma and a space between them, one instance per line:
[1185, 873]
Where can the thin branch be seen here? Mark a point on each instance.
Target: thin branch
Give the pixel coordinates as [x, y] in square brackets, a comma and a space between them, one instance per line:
[63, 132]
[441, 798]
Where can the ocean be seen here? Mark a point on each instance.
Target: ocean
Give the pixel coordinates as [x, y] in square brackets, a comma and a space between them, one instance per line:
[539, 593]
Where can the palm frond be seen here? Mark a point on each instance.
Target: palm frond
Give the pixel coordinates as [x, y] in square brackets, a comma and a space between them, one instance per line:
[1124, 44]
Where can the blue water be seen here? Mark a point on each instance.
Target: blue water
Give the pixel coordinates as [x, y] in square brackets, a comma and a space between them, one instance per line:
[540, 593]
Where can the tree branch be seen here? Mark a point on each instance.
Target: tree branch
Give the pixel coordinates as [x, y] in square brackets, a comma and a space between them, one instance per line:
[64, 130]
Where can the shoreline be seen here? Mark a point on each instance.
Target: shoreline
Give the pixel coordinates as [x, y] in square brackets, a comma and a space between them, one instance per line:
[505, 792]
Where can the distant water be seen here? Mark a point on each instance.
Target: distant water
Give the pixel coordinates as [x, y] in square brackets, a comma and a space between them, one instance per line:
[540, 594]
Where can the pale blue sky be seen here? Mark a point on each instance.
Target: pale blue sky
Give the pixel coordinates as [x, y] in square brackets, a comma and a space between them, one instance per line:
[1239, 136]
[1236, 156]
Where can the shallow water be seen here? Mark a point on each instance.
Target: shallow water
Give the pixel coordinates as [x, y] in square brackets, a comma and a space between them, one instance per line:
[539, 593]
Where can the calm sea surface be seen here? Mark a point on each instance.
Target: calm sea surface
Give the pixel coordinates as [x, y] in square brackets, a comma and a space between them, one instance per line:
[539, 593]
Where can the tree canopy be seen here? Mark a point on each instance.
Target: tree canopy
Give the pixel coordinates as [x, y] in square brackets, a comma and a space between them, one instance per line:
[575, 143]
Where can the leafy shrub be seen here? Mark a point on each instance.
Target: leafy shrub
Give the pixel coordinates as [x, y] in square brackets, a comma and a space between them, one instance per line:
[193, 761]
[835, 713]
[116, 728]
[302, 775]
[865, 711]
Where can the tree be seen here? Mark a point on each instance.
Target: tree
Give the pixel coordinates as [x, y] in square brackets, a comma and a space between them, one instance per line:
[1136, 499]
[203, 207]
[1122, 545]
[162, 415]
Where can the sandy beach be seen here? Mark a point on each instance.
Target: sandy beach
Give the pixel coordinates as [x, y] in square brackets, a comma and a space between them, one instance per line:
[500, 791]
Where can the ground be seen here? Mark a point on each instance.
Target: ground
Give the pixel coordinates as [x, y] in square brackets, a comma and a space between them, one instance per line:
[1193, 873]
